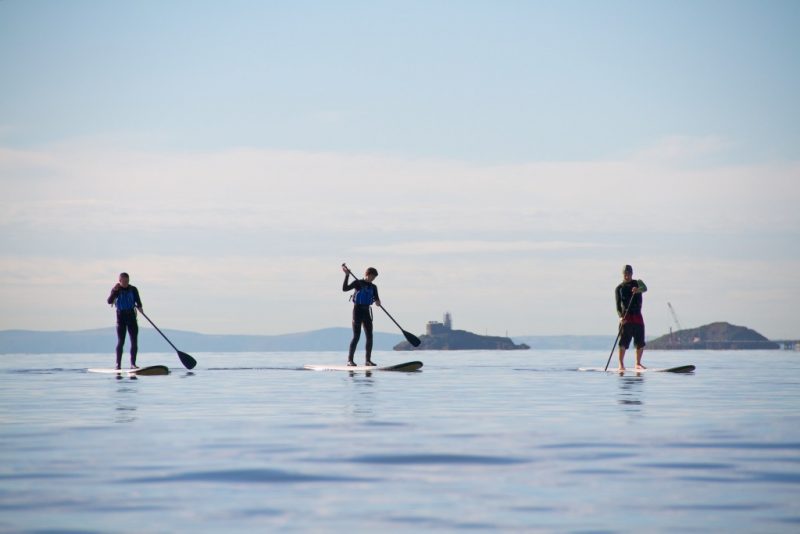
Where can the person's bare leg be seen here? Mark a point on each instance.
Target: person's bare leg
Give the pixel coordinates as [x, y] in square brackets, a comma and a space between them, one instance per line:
[639, 352]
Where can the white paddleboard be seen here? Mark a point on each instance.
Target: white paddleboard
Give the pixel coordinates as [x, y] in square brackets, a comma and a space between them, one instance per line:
[143, 371]
[402, 367]
[631, 370]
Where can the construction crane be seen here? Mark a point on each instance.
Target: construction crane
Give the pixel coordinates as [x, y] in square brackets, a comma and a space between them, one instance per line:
[674, 316]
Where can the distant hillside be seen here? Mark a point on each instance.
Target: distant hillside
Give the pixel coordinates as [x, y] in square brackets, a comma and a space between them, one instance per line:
[461, 340]
[105, 339]
[328, 339]
[714, 336]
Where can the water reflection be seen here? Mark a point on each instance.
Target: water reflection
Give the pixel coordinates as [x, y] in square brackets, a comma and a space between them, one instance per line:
[363, 397]
[630, 395]
[125, 405]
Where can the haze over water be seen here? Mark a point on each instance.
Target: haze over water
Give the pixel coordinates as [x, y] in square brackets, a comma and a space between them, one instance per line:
[476, 441]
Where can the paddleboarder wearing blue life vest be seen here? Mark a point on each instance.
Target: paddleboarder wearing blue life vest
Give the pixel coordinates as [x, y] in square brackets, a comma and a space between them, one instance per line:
[628, 295]
[125, 298]
[366, 294]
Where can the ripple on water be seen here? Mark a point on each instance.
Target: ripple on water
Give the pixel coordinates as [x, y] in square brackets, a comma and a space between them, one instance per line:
[250, 476]
[436, 459]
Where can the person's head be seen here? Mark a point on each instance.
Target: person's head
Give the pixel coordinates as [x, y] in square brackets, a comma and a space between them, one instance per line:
[627, 273]
[124, 279]
[371, 274]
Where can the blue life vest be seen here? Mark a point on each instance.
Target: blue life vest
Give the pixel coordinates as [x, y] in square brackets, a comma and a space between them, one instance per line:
[126, 299]
[365, 296]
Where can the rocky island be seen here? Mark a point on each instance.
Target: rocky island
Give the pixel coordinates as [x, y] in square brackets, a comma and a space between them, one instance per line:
[441, 336]
[714, 336]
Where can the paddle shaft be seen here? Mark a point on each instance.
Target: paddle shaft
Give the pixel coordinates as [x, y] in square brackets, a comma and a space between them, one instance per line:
[392, 318]
[186, 359]
[159, 330]
[619, 332]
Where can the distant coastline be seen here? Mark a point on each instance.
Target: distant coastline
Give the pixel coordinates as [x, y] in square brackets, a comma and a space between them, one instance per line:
[103, 340]
[714, 336]
[441, 336]
[462, 340]
[336, 339]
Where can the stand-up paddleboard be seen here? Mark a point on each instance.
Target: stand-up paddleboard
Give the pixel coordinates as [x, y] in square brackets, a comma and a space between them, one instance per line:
[631, 370]
[402, 367]
[142, 371]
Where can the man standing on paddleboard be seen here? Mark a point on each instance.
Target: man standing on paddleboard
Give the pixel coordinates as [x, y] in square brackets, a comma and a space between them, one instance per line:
[125, 298]
[366, 294]
[628, 295]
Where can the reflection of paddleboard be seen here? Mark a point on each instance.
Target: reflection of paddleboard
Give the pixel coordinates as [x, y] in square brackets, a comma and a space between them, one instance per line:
[403, 367]
[631, 370]
[143, 371]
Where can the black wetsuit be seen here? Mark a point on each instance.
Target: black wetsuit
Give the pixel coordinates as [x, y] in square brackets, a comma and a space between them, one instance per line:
[126, 301]
[366, 293]
[630, 304]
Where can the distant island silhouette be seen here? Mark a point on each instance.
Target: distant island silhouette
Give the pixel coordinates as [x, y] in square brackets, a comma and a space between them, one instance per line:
[714, 336]
[441, 336]
[102, 340]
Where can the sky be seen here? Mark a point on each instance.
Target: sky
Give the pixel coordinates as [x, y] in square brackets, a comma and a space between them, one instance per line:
[498, 160]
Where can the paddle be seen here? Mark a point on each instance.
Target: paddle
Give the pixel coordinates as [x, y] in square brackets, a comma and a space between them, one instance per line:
[186, 360]
[619, 333]
[414, 340]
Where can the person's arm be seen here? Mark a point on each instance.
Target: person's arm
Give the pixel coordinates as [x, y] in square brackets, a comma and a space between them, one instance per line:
[618, 298]
[353, 285]
[640, 284]
[137, 300]
[377, 298]
[113, 296]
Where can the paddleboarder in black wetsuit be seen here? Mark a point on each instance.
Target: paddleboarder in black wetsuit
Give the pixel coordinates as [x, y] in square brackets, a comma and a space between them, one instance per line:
[125, 298]
[628, 295]
[366, 294]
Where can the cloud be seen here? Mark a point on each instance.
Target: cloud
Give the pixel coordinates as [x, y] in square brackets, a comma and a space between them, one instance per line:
[79, 188]
[684, 150]
[419, 248]
[249, 240]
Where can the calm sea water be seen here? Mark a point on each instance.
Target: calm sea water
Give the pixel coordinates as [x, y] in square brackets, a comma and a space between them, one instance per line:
[515, 441]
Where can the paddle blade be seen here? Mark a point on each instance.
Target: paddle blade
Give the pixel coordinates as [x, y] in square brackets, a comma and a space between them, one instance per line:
[187, 360]
[414, 340]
